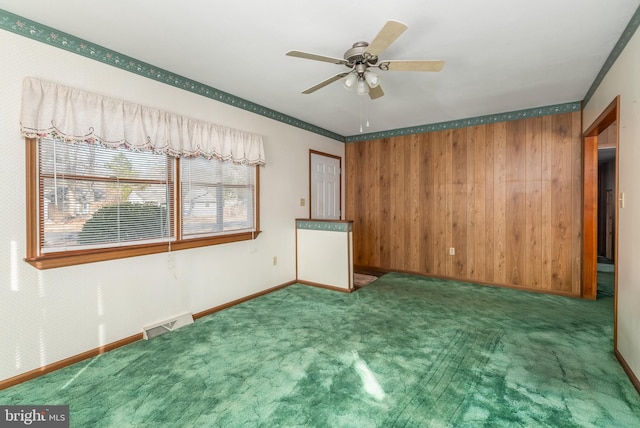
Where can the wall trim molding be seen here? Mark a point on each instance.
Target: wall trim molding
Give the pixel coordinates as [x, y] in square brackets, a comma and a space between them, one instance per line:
[32, 374]
[627, 369]
[473, 121]
[241, 300]
[626, 35]
[473, 281]
[59, 39]
[325, 286]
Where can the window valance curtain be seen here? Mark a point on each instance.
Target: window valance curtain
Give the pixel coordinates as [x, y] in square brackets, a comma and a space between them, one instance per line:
[55, 111]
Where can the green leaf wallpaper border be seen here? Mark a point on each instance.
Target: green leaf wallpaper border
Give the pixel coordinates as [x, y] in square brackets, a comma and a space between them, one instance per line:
[474, 121]
[329, 226]
[626, 35]
[42, 33]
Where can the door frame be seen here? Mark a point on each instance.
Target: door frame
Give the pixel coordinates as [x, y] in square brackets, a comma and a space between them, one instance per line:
[610, 115]
[318, 153]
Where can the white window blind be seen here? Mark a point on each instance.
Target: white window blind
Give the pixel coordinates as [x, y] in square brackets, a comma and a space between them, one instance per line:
[95, 197]
[217, 197]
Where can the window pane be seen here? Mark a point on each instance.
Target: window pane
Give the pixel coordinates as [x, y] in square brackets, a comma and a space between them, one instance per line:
[217, 197]
[95, 161]
[94, 197]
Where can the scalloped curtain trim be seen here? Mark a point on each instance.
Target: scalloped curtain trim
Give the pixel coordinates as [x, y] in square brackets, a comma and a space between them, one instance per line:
[68, 114]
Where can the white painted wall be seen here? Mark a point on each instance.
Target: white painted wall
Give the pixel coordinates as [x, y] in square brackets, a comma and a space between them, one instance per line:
[49, 315]
[318, 249]
[624, 79]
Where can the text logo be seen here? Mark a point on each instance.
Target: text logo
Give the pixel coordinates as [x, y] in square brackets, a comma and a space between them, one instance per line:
[34, 416]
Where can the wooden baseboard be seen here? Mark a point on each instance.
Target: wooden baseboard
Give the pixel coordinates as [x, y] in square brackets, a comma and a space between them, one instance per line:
[632, 376]
[122, 342]
[471, 281]
[68, 361]
[328, 287]
[242, 300]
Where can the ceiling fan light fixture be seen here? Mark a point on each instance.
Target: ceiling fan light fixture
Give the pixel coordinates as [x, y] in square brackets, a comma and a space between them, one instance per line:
[363, 55]
[362, 88]
[350, 81]
[372, 79]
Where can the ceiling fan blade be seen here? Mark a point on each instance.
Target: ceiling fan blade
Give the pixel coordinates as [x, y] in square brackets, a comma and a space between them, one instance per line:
[389, 33]
[410, 65]
[375, 92]
[316, 57]
[325, 83]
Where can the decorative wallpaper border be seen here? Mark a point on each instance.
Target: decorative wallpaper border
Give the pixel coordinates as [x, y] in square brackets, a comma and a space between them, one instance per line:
[330, 226]
[474, 121]
[626, 35]
[42, 33]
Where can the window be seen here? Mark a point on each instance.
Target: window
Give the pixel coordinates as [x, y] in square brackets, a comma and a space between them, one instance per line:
[217, 197]
[94, 197]
[108, 179]
[88, 203]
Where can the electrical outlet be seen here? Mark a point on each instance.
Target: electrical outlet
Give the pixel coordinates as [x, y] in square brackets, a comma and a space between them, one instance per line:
[452, 251]
[275, 260]
[302, 202]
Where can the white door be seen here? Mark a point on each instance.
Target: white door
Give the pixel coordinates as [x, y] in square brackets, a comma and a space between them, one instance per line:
[325, 186]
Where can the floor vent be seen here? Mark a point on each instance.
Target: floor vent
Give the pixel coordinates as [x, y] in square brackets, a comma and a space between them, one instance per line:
[166, 326]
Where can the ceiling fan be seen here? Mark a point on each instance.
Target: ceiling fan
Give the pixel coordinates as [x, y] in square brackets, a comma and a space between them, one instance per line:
[362, 56]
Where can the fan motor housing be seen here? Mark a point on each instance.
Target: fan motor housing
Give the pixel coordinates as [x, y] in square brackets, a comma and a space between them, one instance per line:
[357, 55]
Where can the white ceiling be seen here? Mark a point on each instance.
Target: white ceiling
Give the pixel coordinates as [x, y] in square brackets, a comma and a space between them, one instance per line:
[501, 55]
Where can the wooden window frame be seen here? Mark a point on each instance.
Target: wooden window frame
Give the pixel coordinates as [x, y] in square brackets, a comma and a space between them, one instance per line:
[71, 258]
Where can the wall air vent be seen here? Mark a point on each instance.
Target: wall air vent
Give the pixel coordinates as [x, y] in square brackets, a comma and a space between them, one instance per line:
[166, 326]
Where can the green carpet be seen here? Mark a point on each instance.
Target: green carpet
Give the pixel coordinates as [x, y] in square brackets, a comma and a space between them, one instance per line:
[606, 284]
[404, 351]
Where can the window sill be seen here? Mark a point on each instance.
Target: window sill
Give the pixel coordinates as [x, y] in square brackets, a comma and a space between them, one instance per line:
[72, 258]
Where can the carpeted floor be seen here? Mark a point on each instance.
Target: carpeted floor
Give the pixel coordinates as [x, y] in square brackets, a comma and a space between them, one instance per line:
[404, 351]
[606, 284]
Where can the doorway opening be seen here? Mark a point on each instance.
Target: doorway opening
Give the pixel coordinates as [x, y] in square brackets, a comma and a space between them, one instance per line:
[607, 154]
[600, 234]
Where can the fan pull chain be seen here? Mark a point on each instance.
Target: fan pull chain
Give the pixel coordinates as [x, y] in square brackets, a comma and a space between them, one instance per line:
[364, 114]
[361, 113]
[366, 110]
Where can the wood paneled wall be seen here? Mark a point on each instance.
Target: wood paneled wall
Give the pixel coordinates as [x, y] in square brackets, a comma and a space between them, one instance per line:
[507, 196]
